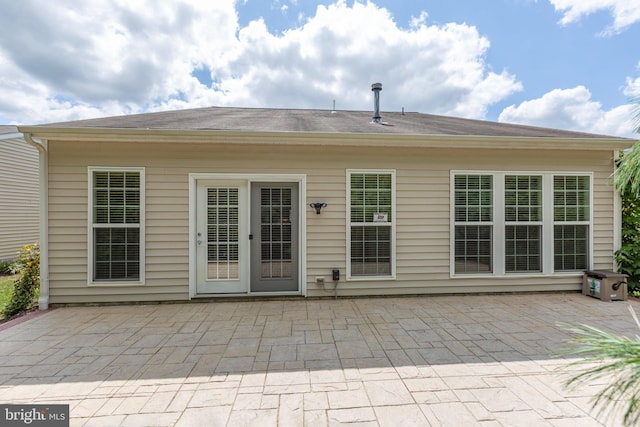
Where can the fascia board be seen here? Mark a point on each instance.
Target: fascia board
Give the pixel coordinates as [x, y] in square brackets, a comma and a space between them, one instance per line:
[173, 136]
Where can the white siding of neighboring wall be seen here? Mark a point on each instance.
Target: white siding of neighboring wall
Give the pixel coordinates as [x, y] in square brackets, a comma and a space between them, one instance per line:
[19, 223]
[422, 196]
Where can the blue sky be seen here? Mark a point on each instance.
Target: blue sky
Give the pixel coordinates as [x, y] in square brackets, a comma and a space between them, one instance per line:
[567, 64]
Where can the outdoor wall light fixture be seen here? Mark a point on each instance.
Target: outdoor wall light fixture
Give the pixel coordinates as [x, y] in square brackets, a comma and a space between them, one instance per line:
[318, 206]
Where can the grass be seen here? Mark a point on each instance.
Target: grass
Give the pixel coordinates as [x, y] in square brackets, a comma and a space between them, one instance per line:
[6, 285]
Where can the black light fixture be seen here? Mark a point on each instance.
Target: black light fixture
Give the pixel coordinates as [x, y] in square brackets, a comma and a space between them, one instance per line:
[318, 206]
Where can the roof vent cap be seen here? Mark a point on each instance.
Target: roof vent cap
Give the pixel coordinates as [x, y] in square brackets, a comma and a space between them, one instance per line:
[376, 88]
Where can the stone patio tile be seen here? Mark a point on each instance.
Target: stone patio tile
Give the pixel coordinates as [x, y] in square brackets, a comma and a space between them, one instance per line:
[323, 376]
[316, 418]
[388, 392]
[354, 397]
[499, 400]
[160, 419]
[239, 347]
[479, 412]
[401, 415]
[101, 421]
[354, 416]
[277, 328]
[283, 353]
[287, 378]
[205, 417]
[315, 401]
[528, 417]
[250, 418]
[131, 405]
[253, 379]
[235, 364]
[353, 349]
[247, 401]
[425, 384]
[290, 412]
[86, 408]
[317, 352]
[543, 406]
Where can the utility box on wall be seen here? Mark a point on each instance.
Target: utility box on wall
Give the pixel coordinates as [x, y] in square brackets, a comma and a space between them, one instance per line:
[605, 284]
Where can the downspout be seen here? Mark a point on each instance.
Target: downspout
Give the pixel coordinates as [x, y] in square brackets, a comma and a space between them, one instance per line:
[41, 146]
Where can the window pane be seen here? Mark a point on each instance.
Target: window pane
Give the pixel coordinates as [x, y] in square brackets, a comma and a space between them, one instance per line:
[370, 250]
[116, 197]
[473, 198]
[116, 253]
[222, 232]
[571, 247]
[523, 198]
[473, 249]
[571, 198]
[370, 194]
[523, 248]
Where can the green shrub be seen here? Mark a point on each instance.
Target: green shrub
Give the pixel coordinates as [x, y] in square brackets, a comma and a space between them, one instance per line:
[6, 267]
[628, 256]
[27, 286]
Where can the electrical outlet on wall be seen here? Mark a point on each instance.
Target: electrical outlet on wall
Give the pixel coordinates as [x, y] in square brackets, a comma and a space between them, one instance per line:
[320, 280]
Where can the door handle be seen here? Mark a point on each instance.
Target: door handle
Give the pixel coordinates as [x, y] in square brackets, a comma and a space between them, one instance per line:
[251, 236]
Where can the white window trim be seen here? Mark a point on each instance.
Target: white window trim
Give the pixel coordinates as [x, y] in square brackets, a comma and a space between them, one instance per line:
[392, 276]
[499, 224]
[90, 248]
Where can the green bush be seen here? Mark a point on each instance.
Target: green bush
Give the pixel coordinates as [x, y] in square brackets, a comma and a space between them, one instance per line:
[6, 267]
[27, 286]
[628, 256]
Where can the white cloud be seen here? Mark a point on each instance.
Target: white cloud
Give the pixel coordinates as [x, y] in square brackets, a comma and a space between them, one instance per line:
[624, 12]
[632, 88]
[572, 109]
[116, 57]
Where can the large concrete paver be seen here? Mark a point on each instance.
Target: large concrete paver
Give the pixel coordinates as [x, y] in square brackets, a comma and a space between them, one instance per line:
[450, 360]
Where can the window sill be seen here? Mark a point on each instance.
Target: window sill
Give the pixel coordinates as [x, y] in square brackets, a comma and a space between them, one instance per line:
[516, 275]
[108, 284]
[369, 278]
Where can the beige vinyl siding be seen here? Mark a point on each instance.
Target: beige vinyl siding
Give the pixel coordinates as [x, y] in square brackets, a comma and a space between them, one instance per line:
[19, 180]
[422, 212]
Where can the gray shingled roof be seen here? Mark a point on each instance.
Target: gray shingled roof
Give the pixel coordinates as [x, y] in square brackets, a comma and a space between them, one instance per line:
[8, 129]
[317, 121]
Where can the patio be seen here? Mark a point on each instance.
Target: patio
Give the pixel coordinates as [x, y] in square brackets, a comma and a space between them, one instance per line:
[447, 360]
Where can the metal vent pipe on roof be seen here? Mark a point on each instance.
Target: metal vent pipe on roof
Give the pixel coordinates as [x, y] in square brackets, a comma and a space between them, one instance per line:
[376, 88]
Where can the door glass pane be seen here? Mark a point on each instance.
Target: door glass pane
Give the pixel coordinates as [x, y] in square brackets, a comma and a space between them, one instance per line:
[275, 233]
[222, 233]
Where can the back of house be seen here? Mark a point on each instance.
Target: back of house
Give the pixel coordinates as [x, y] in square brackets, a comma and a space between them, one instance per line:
[218, 202]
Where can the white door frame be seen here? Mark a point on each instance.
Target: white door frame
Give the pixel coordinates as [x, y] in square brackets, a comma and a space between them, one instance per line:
[249, 177]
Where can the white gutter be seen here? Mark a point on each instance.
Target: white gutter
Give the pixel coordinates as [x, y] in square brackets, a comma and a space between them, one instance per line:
[41, 146]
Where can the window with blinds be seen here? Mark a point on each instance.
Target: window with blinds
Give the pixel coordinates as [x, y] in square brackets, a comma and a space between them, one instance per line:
[571, 212]
[116, 204]
[371, 223]
[523, 223]
[473, 213]
[521, 217]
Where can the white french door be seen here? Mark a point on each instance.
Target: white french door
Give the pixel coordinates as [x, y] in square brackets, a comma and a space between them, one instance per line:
[222, 237]
[246, 237]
